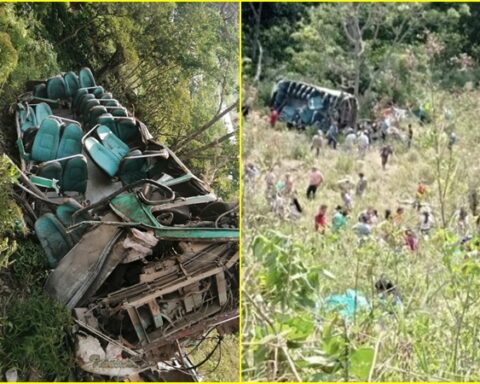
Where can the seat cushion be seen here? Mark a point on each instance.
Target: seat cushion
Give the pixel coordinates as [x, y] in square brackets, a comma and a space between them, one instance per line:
[112, 142]
[51, 171]
[86, 78]
[133, 169]
[45, 145]
[42, 111]
[75, 175]
[53, 238]
[71, 141]
[65, 212]
[72, 83]
[56, 88]
[103, 157]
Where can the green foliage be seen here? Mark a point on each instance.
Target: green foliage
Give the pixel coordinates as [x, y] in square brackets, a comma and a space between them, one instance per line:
[29, 266]
[33, 338]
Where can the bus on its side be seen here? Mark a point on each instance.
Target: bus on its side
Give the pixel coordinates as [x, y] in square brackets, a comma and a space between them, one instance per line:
[302, 105]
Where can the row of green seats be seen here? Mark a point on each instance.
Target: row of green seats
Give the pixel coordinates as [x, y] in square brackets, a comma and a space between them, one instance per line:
[63, 87]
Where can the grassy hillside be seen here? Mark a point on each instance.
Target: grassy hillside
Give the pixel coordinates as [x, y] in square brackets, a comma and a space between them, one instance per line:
[289, 268]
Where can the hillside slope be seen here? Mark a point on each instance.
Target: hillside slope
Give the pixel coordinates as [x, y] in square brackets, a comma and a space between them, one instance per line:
[289, 269]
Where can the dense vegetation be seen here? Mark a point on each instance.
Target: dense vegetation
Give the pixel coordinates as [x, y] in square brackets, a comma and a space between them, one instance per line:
[175, 66]
[290, 270]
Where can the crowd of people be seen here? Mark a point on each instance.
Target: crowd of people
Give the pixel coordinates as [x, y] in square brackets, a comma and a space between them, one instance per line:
[392, 229]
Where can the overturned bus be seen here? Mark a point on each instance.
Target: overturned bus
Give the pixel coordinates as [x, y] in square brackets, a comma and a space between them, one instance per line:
[301, 105]
[140, 249]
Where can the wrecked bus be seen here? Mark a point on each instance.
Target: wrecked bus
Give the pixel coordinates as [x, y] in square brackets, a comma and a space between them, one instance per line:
[140, 249]
[302, 105]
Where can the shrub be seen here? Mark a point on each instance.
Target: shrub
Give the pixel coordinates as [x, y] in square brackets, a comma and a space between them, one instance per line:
[34, 338]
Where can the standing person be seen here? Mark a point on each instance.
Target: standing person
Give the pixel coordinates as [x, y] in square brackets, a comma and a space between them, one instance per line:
[411, 240]
[317, 142]
[296, 210]
[410, 136]
[316, 179]
[347, 199]
[385, 152]
[362, 229]
[273, 117]
[452, 139]
[462, 222]
[399, 216]
[339, 220]
[332, 135]
[350, 140]
[288, 185]
[426, 222]
[361, 185]
[420, 195]
[321, 219]
[363, 143]
[270, 185]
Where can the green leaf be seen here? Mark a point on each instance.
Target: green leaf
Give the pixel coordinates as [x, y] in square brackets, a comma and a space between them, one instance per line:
[361, 362]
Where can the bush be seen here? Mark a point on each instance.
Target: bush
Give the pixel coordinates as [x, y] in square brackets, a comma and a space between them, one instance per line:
[29, 264]
[34, 338]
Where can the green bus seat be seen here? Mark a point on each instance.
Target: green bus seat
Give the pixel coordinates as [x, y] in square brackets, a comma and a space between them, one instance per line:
[87, 105]
[75, 175]
[102, 157]
[98, 91]
[65, 212]
[86, 78]
[54, 239]
[42, 111]
[72, 83]
[45, 145]
[94, 113]
[80, 107]
[27, 118]
[106, 95]
[56, 88]
[118, 112]
[132, 170]
[40, 90]
[71, 141]
[112, 142]
[107, 120]
[50, 171]
[127, 130]
[78, 96]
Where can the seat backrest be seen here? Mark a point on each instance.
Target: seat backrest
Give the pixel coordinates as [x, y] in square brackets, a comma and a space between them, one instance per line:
[40, 90]
[112, 142]
[42, 111]
[75, 175]
[108, 120]
[82, 100]
[94, 113]
[71, 141]
[72, 83]
[102, 156]
[45, 145]
[56, 88]
[77, 98]
[127, 130]
[119, 112]
[65, 211]
[87, 105]
[86, 78]
[132, 170]
[51, 171]
[28, 119]
[53, 238]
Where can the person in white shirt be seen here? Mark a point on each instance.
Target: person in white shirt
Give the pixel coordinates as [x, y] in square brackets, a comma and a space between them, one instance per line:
[363, 144]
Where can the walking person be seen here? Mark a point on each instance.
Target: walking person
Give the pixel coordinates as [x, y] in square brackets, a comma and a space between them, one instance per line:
[385, 153]
[363, 144]
[273, 117]
[321, 219]
[316, 179]
[332, 135]
[317, 142]
[361, 185]
[410, 136]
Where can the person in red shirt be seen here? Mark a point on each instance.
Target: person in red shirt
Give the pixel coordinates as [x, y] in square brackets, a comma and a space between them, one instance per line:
[321, 219]
[273, 117]
[411, 240]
